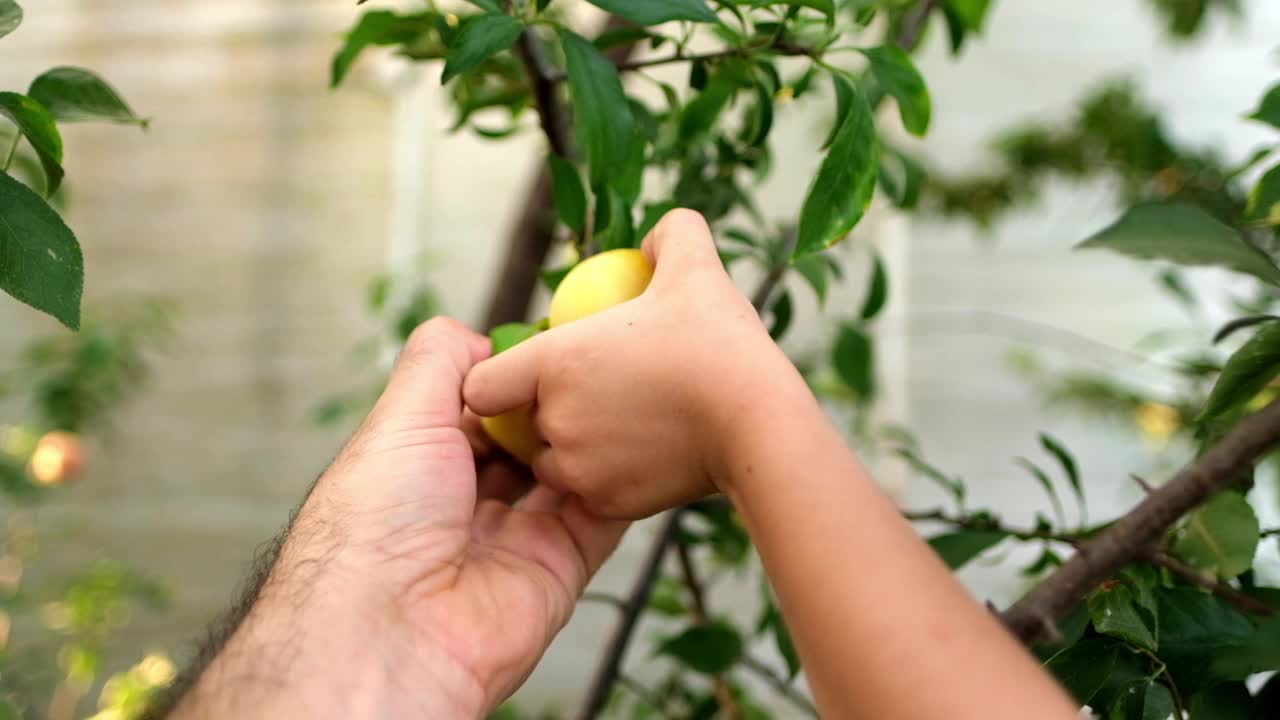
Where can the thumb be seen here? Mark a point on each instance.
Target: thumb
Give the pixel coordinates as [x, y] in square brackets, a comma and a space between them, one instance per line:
[680, 245]
[507, 381]
[425, 388]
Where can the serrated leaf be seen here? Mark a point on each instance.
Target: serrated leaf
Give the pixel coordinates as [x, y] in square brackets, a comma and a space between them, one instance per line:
[656, 12]
[605, 123]
[37, 125]
[507, 336]
[10, 16]
[1221, 537]
[480, 38]
[897, 75]
[782, 314]
[1264, 201]
[845, 183]
[1185, 235]
[73, 94]
[1246, 373]
[1269, 109]
[571, 196]
[1068, 465]
[958, 548]
[40, 260]
[1114, 611]
[377, 27]
[854, 361]
[711, 648]
[814, 270]
[877, 290]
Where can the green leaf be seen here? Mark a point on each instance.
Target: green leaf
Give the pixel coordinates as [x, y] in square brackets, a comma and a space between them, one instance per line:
[614, 227]
[958, 548]
[492, 6]
[1258, 653]
[777, 626]
[74, 94]
[551, 278]
[35, 122]
[507, 336]
[10, 16]
[1068, 465]
[1221, 537]
[1043, 478]
[667, 598]
[40, 261]
[782, 313]
[571, 196]
[377, 27]
[952, 485]
[1225, 701]
[1084, 668]
[1264, 201]
[480, 38]
[761, 116]
[1246, 373]
[901, 177]
[845, 94]
[897, 75]
[1196, 625]
[844, 184]
[1143, 701]
[711, 648]
[877, 290]
[1269, 109]
[701, 114]
[813, 268]
[1185, 235]
[655, 12]
[973, 13]
[1114, 611]
[9, 711]
[854, 361]
[605, 123]
[826, 7]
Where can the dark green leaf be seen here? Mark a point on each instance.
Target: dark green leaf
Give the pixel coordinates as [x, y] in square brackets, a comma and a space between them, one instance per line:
[654, 12]
[40, 261]
[1269, 110]
[897, 75]
[958, 548]
[1195, 625]
[777, 626]
[551, 278]
[854, 361]
[492, 6]
[605, 123]
[698, 75]
[877, 290]
[701, 114]
[1226, 701]
[614, 227]
[10, 16]
[1220, 537]
[782, 313]
[1084, 668]
[1185, 235]
[901, 177]
[507, 336]
[728, 538]
[667, 598]
[35, 122]
[813, 268]
[1258, 653]
[74, 94]
[844, 184]
[1115, 612]
[629, 179]
[953, 486]
[826, 7]
[761, 116]
[711, 648]
[571, 197]
[845, 94]
[377, 27]
[480, 38]
[1068, 464]
[973, 13]
[1143, 700]
[1238, 324]
[1264, 201]
[622, 36]
[1246, 373]
[1043, 478]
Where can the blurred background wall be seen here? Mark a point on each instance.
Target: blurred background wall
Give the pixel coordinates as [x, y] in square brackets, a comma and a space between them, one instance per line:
[261, 203]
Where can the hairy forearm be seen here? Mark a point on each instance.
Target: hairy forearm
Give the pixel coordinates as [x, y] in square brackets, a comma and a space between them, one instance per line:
[885, 611]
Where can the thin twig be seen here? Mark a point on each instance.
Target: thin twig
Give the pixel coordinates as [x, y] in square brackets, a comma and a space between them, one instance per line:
[697, 593]
[780, 685]
[777, 46]
[604, 599]
[637, 600]
[1127, 539]
[640, 691]
[1142, 483]
[913, 26]
[1229, 594]
[980, 522]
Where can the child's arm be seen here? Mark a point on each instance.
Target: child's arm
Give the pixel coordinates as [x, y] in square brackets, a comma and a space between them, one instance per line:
[680, 392]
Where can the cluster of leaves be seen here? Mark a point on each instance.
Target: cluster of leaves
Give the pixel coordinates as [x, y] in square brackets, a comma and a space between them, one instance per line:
[40, 259]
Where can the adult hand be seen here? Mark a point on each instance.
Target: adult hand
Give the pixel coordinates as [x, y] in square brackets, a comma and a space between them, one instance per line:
[409, 584]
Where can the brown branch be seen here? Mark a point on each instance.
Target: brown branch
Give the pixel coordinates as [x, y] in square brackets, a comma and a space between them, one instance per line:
[1229, 594]
[610, 666]
[698, 594]
[913, 26]
[1127, 539]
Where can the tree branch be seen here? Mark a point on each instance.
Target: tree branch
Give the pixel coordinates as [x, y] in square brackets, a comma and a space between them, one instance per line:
[610, 666]
[913, 26]
[1229, 594]
[978, 522]
[724, 695]
[1128, 539]
[777, 46]
[780, 685]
